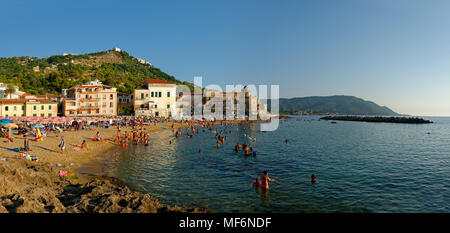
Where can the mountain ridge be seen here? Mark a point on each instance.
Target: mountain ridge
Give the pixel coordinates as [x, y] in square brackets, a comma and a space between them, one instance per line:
[335, 104]
[54, 73]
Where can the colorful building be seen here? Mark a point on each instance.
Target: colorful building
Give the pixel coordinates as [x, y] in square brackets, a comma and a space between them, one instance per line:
[90, 99]
[28, 107]
[157, 99]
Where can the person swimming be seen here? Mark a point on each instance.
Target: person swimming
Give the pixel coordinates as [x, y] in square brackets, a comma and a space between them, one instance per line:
[313, 178]
[256, 182]
[237, 147]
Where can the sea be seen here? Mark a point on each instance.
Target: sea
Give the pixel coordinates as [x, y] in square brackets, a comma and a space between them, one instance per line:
[360, 167]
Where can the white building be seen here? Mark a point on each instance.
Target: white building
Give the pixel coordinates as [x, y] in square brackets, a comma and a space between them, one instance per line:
[157, 100]
[16, 95]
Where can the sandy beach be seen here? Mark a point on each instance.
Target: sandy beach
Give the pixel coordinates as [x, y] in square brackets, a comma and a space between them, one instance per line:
[36, 186]
[28, 186]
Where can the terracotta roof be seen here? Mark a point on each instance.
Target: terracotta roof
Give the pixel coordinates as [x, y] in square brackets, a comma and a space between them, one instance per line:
[158, 81]
[22, 101]
[12, 101]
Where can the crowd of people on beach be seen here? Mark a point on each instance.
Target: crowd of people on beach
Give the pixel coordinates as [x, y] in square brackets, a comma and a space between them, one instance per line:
[133, 131]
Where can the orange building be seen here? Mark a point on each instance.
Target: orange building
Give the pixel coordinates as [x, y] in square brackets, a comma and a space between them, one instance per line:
[90, 99]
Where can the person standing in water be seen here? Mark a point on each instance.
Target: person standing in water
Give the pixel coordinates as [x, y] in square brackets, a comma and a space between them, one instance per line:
[265, 179]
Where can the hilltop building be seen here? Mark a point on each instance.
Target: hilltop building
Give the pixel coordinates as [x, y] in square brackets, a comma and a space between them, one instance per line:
[90, 99]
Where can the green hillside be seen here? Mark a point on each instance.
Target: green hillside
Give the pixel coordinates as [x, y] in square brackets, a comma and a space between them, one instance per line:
[51, 74]
[339, 104]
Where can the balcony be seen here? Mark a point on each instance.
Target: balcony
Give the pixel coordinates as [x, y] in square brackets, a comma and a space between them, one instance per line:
[89, 99]
[87, 107]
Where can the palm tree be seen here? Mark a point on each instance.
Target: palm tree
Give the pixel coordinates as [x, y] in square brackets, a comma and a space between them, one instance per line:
[10, 90]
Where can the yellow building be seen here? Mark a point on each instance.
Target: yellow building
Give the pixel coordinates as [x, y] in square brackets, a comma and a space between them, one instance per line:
[28, 107]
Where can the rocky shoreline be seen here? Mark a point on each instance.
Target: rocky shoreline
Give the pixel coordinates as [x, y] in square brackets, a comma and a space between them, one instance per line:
[406, 120]
[30, 187]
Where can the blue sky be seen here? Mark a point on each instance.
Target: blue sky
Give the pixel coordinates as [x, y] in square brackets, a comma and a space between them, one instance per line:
[395, 53]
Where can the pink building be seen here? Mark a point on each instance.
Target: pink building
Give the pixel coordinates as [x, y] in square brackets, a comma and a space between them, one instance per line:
[90, 99]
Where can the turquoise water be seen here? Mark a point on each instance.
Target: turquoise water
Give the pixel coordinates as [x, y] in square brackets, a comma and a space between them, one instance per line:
[360, 167]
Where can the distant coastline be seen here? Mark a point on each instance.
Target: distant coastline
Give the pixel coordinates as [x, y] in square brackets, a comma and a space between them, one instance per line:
[406, 120]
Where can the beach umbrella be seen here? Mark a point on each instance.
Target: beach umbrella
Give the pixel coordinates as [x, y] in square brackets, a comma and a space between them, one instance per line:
[11, 125]
[5, 121]
[38, 126]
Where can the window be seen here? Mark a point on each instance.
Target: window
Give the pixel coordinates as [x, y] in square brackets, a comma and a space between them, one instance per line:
[15, 108]
[159, 94]
[23, 107]
[96, 104]
[153, 94]
[156, 106]
[111, 96]
[79, 104]
[87, 104]
[49, 107]
[111, 104]
[146, 95]
[42, 107]
[34, 107]
[6, 115]
[104, 104]
[168, 94]
[104, 111]
[78, 96]
[104, 96]
[42, 114]
[49, 114]
[96, 96]
[168, 106]
[6, 108]
[142, 95]
[34, 114]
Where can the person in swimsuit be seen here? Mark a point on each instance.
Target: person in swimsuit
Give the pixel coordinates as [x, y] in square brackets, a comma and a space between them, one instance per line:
[313, 178]
[265, 179]
[84, 145]
[62, 145]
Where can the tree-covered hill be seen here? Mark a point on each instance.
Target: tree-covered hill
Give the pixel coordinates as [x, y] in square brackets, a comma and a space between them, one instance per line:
[338, 104]
[51, 74]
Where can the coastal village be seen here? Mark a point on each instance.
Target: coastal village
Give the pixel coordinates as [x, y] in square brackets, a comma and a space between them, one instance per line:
[157, 99]
[55, 145]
